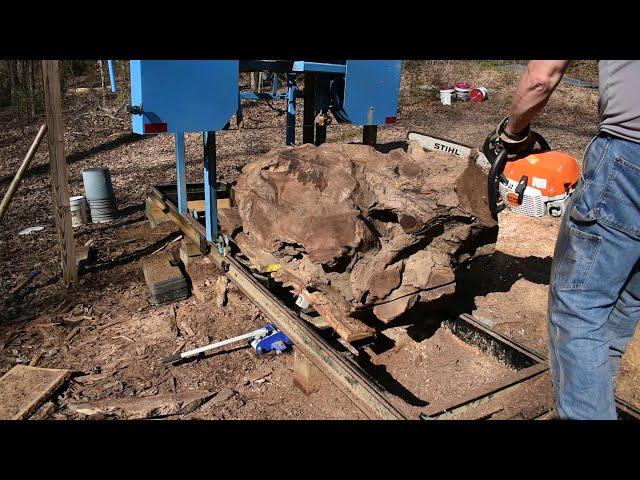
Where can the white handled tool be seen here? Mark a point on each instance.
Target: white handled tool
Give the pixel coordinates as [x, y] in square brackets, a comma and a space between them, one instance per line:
[256, 334]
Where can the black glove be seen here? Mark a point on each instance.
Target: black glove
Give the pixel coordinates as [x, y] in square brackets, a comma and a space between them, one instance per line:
[515, 145]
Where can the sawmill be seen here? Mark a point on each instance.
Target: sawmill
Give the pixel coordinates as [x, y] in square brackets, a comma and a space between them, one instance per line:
[291, 239]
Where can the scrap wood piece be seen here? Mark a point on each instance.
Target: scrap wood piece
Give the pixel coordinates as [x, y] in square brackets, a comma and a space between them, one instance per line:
[332, 309]
[144, 407]
[24, 389]
[350, 329]
[34, 361]
[92, 378]
[72, 334]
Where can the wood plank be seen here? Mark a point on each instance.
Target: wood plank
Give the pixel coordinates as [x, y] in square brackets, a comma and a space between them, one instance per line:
[350, 329]
[157, 216]
[59, 173]
[198, 205]
[24, 389]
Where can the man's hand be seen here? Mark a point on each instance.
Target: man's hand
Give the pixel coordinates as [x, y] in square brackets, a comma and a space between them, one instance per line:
[536, 86]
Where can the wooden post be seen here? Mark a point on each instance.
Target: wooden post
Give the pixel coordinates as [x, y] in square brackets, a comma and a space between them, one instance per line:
[59, 174]
[306, 376]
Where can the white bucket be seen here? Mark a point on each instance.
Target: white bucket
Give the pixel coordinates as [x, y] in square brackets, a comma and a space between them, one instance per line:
[462, 91]
[79, 210]
[446, 96]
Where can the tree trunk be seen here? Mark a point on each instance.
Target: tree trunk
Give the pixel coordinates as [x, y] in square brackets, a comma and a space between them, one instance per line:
[361, 232]
[15, 97]
[34, 66]
[101, 80]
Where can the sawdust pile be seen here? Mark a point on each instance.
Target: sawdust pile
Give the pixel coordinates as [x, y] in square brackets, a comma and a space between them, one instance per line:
[355, 229]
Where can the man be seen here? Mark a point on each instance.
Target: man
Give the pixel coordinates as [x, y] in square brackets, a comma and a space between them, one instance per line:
[594, 294]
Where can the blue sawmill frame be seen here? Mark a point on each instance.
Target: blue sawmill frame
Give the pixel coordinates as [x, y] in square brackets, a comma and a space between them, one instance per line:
[180, 96]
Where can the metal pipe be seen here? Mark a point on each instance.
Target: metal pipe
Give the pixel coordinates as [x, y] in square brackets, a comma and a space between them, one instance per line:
[112, 76]
[291, 109]
[369, 135]
[211, 210]
[181, 175]
[309, 109]
[21, 171]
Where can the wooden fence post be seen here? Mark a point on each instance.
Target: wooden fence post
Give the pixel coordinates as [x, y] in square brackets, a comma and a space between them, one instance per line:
[59, 174]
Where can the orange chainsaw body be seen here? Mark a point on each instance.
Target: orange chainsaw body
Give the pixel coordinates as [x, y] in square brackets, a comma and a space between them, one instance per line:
[551, 178]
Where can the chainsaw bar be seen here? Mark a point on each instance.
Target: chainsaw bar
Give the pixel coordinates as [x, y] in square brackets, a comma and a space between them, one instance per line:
[436, 144]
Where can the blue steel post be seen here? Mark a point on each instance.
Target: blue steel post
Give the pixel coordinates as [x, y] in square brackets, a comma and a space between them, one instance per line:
[291, 108]
[181, 176]
[210, 201]
[112, 76]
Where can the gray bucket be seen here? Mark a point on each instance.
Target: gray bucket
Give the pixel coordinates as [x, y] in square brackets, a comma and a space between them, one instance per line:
[79, 210]
[99, 193]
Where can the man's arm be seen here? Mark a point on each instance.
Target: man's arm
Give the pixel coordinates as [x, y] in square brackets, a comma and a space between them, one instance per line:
[536, 86]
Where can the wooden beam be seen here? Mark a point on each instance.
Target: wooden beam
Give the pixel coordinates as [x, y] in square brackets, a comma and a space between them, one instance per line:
[59, 174]
[21, 171]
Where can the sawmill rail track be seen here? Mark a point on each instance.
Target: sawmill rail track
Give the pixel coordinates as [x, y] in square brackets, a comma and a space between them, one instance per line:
[351, 380]
[346, 373]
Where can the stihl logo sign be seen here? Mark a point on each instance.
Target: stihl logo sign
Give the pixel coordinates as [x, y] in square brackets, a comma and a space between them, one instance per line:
[446, 148]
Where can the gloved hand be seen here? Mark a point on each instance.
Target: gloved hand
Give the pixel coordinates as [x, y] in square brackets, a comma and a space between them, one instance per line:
[515, 146]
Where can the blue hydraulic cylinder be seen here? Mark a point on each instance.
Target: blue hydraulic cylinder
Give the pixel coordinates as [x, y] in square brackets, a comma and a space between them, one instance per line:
[291, 109]
[210, 196]
[112, 76]
[181, 176]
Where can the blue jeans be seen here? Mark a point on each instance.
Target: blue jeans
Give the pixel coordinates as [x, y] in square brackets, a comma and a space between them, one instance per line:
[594, 294]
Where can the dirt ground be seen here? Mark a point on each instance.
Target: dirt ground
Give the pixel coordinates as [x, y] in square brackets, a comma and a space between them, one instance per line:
[107, 332]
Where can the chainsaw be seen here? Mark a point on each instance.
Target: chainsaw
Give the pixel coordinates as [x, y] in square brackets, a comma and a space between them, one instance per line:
[535, 185]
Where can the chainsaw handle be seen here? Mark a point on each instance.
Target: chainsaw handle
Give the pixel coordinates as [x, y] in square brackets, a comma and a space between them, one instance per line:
[492, 193]
[544, 146]
[497, 162]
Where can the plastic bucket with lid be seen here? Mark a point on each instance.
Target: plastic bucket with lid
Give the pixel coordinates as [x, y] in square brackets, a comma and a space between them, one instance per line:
[478, 94]
[447, 93]
[462, 91]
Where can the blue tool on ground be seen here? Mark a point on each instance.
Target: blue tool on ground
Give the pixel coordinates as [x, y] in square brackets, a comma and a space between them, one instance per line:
[274, 341]
[14, 292]
[263, 340]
